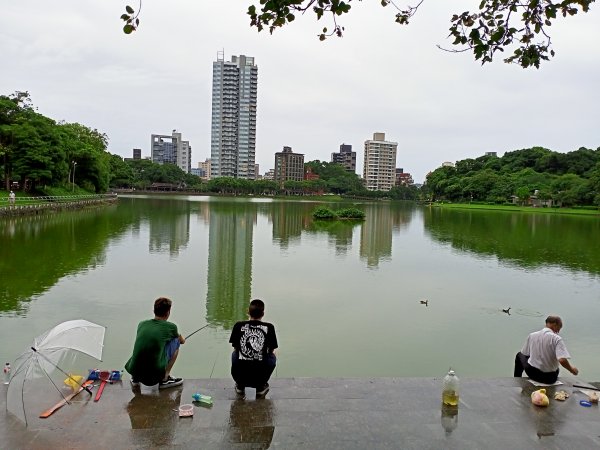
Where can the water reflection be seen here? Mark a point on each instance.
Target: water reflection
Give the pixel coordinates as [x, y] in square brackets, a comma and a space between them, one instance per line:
[289, 219]
[449, 418]
[37, 251]
[524, 240]
[544, 420]
[339, 233]
[376, 236]
[229, 276]
[169, 225]
[155, 412]
[250, 422]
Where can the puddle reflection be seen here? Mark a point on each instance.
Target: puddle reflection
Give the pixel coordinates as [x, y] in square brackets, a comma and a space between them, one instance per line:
[155, 412]
[251, 422]
[449, 418]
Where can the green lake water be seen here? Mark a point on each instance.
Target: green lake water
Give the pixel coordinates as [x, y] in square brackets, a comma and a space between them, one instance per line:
[345, 297]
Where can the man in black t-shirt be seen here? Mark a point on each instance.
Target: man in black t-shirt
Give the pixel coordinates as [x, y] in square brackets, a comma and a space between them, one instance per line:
[253, 359]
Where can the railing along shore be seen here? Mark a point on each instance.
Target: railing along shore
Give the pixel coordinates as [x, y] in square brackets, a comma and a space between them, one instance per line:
[37, 205]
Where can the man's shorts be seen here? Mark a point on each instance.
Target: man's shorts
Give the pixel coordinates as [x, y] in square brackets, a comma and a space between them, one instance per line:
[171, 347]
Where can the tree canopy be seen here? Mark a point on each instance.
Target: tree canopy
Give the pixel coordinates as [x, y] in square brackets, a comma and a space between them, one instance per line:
[495, 26]
[568, 178]
[38, 151]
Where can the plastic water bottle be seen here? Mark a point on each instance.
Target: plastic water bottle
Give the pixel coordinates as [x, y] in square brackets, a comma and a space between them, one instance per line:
[6, 373]
[205, 399]
[450, 390]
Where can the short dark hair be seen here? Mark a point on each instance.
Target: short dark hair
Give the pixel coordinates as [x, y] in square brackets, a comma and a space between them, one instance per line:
[162, 306]
[256, 309]
[554, 320]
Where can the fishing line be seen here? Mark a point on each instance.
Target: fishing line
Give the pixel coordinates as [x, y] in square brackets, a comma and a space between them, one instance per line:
[213, 367]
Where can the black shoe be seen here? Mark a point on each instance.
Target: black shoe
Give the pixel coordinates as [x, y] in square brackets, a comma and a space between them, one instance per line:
[170, 382]
[262, 391]
[239, 390]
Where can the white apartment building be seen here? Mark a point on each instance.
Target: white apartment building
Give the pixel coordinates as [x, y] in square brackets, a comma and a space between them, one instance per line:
[379, 170]
[233, 130]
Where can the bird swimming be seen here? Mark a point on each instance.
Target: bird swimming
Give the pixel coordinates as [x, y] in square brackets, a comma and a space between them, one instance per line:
[424, 302]
[507, 310]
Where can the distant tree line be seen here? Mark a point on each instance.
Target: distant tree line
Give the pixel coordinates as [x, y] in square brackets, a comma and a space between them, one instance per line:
[36, 151]
[568, 179]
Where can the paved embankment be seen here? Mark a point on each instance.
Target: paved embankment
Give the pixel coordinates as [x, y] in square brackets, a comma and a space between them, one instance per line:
[312, 413]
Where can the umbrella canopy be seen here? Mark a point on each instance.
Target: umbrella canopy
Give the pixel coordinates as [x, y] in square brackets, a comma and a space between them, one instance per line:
[46, 351]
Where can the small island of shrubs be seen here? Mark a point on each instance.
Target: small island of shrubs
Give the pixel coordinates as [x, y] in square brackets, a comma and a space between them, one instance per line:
[324, 213]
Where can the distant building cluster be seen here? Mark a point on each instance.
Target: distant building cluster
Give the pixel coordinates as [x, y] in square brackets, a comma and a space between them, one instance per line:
[233, 139]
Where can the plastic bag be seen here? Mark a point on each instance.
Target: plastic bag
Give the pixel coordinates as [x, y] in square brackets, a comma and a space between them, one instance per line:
[539, 398]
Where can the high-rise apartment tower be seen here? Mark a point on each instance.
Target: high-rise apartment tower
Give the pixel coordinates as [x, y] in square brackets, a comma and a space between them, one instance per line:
[233, 131]
[379, 171]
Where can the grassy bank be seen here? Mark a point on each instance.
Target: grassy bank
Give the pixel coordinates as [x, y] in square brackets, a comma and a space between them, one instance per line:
[525, 209]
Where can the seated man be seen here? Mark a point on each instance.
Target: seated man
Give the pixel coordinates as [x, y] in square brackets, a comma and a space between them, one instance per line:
[543, 351]
[156, 348]
[253, 359]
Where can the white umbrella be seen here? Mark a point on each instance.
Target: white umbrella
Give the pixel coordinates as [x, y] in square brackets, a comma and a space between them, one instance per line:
[45, 353]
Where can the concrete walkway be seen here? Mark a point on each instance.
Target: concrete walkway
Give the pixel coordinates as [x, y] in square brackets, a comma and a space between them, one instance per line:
[312, 413]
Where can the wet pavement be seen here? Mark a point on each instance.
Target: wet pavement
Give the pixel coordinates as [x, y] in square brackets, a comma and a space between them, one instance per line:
[315, 413]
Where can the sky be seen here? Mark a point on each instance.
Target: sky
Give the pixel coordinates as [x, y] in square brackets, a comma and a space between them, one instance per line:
[78, 66]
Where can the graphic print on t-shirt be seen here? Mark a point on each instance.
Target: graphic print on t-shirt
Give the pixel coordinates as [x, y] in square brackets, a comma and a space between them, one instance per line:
[252, 342]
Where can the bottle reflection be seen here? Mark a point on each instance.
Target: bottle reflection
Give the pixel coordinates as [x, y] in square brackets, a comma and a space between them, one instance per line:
[449, 418]
[229, 278]
[250, 422]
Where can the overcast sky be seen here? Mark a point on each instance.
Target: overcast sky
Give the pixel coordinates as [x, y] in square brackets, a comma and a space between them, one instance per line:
[78, 66]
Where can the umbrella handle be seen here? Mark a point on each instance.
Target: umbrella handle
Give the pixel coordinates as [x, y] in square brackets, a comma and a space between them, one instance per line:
[81, 385]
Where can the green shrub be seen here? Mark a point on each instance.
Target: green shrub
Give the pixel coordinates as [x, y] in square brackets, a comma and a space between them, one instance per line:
[324, 213]
[350, 213]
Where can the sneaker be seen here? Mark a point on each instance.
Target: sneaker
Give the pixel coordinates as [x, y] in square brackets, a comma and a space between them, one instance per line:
[170, 382]
[263, 391]
[239, 390]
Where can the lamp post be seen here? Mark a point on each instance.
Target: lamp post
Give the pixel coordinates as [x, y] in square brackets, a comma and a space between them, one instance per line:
[74, 166]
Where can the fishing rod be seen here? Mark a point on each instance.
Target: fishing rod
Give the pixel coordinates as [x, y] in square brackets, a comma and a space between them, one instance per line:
[201, 328]
[591, 388]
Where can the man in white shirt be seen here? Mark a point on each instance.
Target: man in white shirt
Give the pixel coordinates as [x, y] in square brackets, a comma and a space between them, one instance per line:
[542, 353]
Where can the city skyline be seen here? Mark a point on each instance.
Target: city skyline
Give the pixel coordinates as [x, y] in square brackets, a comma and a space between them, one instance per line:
[79, 67]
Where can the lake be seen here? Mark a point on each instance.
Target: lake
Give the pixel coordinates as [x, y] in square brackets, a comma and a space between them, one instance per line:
[345, 297]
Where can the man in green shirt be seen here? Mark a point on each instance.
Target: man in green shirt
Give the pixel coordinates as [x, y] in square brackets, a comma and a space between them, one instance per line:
[156, 348]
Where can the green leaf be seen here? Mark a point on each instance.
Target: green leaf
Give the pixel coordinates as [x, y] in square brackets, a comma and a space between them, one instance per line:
[124, 17]
[129, 9]
[127, 29]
